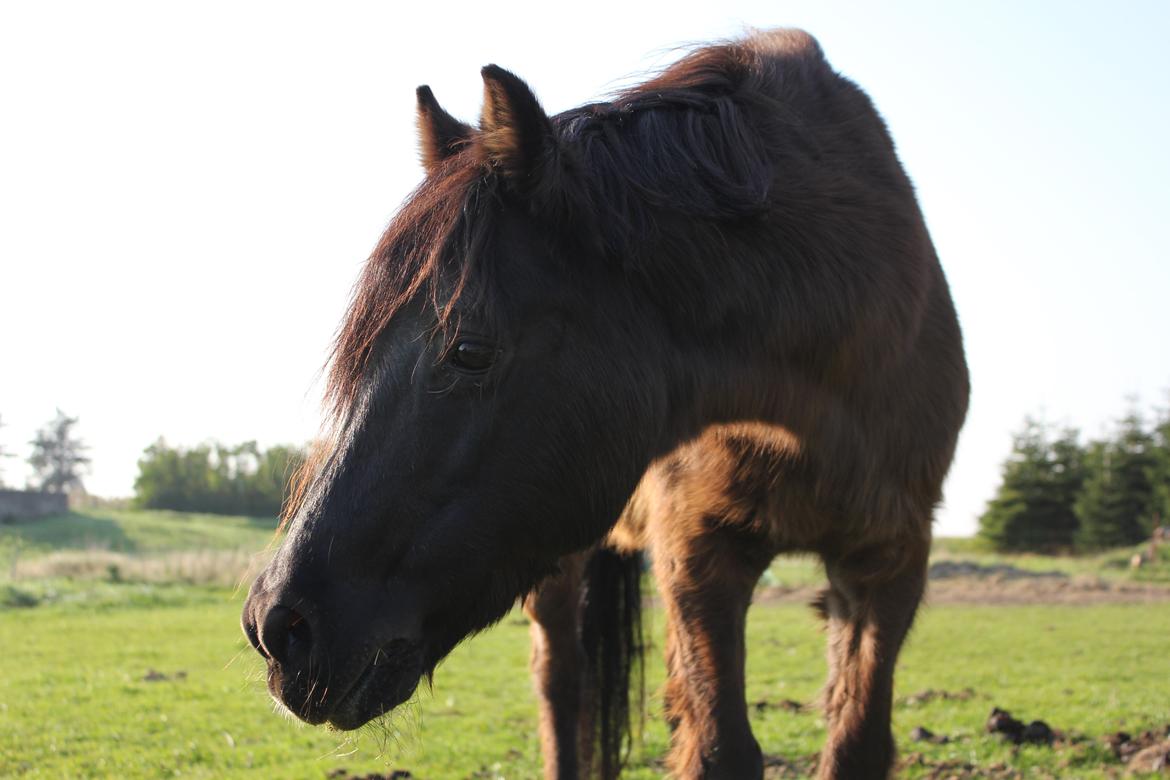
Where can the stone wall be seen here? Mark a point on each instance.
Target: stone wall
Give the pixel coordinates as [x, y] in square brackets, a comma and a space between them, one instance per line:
[29, 504]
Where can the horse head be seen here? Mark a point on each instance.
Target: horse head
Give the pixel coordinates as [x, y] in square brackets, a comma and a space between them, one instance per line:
[495, 396]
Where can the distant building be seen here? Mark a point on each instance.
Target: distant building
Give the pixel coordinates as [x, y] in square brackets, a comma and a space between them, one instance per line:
[30, 504]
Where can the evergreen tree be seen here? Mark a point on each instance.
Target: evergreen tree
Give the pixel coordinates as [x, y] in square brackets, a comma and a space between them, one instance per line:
[1117, 504]
[1160, 468]
[1033, 508]
[58, 458]
[1066, 464]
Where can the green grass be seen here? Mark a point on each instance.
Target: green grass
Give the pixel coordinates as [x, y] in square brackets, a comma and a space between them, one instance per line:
[90, 594]
[86, 558]
[1087, 671]
[73, 701]
[132, 531]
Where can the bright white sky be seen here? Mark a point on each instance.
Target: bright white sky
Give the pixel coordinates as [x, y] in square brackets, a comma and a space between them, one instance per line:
[187, 192]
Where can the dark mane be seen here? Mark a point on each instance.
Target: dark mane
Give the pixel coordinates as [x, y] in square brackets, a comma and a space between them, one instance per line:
[684, 144]
[692, 142]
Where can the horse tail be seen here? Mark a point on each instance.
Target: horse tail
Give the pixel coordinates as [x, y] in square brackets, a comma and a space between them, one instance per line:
[611, 633]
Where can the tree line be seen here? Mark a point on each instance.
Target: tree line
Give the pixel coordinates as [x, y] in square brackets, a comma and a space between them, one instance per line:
[1056, 493]
[216, 478]
[240, 479]
[1059, 494]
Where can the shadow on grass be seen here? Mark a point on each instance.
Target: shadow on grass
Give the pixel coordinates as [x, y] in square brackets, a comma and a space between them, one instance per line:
[71, 531]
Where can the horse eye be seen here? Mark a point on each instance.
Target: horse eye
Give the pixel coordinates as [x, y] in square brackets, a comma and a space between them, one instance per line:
[473, 356]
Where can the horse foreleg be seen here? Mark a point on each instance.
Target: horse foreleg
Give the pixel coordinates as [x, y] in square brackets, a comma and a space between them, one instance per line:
[869, 607]
[706, 585]
[560, 672]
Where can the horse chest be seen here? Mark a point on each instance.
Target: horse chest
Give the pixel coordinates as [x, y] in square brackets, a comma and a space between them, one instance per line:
[743, 483]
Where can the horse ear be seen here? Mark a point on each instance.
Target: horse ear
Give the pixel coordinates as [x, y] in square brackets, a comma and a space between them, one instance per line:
[440, 134]
[516, 134]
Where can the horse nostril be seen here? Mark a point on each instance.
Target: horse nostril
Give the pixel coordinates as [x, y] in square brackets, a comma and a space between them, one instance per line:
[300, 634]
[286, 635]
[253, 635]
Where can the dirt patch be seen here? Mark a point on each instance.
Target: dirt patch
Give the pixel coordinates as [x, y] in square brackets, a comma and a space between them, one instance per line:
[948, 569]
[1145, 752]
[785, 705]
[780, 768]
[923, 734]
[998, 591]
[930, 694]
[957, 770]
[777, 768]
[1017, 732]
[1047, 590]
[1155, 758]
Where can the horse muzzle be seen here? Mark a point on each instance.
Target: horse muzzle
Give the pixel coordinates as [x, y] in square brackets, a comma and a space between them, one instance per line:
[322, 673]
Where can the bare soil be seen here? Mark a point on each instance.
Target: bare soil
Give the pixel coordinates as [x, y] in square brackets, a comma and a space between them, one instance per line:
[966, 582]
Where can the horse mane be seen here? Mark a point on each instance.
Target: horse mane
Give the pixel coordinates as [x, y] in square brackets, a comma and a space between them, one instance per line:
[688, 144]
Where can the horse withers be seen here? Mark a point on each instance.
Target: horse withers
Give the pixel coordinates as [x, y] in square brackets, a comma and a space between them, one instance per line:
[704, 319]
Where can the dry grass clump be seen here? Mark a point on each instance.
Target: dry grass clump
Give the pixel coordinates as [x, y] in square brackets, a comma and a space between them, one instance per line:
[225, 568]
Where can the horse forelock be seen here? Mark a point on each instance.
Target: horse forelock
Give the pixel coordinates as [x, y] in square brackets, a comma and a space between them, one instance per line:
[416, 256]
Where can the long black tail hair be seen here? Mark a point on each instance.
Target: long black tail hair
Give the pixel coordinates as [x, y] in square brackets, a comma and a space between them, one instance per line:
[611, 633]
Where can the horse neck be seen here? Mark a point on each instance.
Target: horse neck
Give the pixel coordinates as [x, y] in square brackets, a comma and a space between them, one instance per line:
[729, 358]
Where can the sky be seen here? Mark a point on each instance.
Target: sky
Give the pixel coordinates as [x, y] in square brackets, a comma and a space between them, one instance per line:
[188, 191]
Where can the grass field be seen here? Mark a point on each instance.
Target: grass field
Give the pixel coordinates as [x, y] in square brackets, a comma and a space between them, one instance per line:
[143, 679]
[142, 532]
[83, 557]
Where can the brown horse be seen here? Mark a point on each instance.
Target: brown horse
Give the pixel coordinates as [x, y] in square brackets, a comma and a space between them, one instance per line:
[704, 320]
